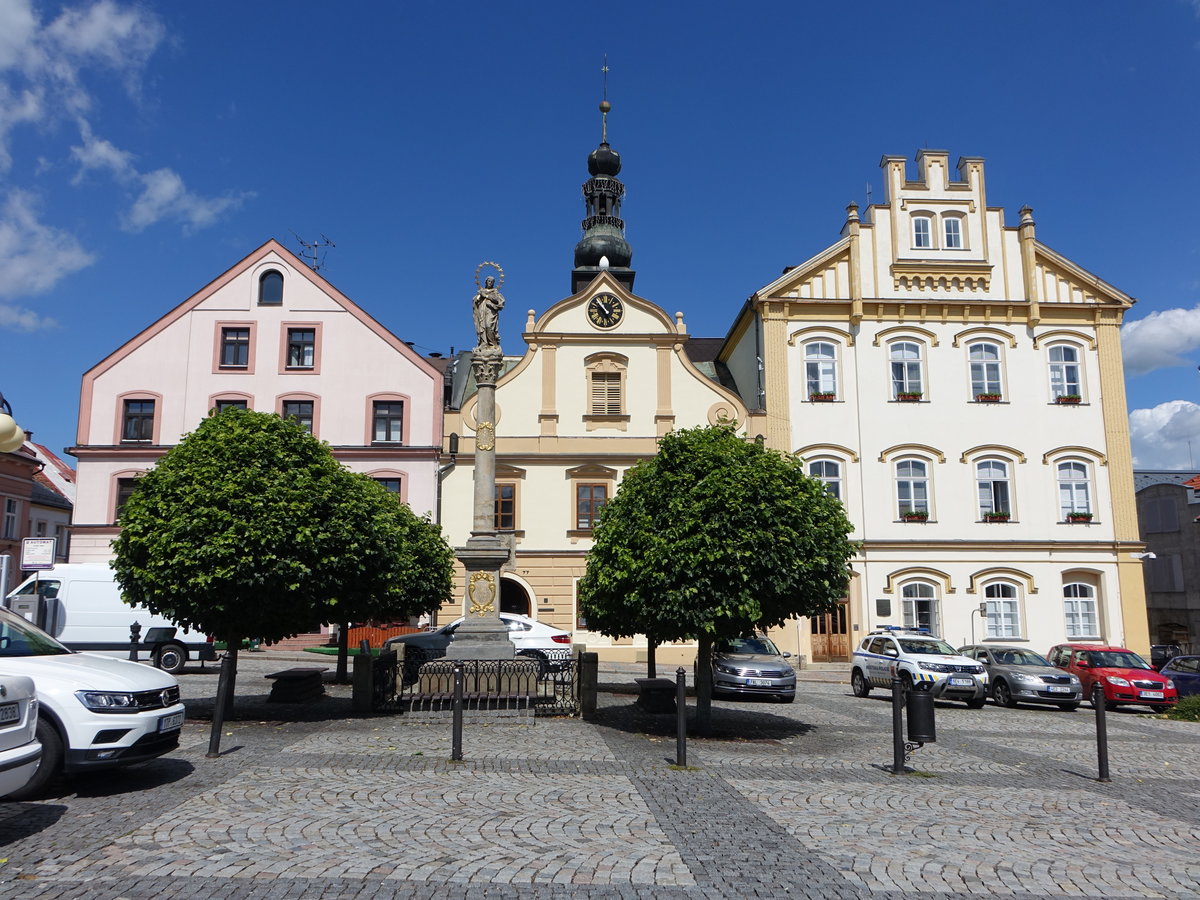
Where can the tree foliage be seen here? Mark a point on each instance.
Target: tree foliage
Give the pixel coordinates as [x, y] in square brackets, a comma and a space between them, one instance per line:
[250, 528]
[714, 537]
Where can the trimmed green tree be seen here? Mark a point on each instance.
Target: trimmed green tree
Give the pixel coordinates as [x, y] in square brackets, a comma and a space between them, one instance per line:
[714, 537]
[250, 528]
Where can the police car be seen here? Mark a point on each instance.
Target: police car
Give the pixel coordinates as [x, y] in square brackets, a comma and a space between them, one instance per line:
[921, 661]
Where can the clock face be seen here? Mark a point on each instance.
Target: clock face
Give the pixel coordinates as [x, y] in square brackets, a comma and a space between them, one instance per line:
[605, 310]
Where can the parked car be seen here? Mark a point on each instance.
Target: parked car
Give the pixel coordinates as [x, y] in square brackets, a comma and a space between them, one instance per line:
[551, 647]
[922, 663]
[1185, 672]
[1161, 654]
[752, 666]
[20, 750]
[1018, 675]
[1114, 675]
[94, 712]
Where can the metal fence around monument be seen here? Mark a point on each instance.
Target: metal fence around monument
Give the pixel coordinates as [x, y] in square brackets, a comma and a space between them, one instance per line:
[424, 683]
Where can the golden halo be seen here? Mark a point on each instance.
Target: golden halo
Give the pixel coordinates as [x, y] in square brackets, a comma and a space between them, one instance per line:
[495, 266]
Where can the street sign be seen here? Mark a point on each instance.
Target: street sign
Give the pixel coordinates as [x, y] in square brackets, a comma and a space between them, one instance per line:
[37, 553]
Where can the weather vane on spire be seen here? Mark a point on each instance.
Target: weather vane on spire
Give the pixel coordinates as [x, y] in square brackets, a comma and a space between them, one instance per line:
[605, 106]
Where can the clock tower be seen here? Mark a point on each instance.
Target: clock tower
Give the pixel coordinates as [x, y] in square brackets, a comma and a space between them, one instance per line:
[603, 246]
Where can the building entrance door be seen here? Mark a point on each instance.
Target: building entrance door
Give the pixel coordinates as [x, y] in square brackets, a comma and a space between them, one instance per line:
[831, 636]
[513, 598]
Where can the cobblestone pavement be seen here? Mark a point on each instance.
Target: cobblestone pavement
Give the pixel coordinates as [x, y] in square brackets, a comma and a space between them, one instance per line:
[782, 801]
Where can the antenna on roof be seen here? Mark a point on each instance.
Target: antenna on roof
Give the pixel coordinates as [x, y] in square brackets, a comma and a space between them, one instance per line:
[313, 252]
[868, 195]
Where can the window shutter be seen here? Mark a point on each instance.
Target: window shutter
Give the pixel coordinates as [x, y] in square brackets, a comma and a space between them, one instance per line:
[606, 393]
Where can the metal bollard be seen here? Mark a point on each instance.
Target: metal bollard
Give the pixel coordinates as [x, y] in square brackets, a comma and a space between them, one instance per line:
[897, 727]
[680, 717]
[1101, 734]
[135, 637]
[364, 647]
[456, 738]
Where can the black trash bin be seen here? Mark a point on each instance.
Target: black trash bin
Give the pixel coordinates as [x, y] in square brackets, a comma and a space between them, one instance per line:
[921, 728]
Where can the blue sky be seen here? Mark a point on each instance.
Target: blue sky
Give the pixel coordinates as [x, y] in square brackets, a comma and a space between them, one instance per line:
[145, 148]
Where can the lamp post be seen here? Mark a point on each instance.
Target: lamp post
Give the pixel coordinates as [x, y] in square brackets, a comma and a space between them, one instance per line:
[12, 436]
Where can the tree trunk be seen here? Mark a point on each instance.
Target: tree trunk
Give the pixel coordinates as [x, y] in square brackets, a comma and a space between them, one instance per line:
[223, 701]
[343, 676]
[651, 654]
[704, 685]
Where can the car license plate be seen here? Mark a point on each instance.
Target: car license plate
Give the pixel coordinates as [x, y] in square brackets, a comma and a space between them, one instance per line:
[758, 682]
[962, 682]
[10, 712]
[1150, 695]
[170, 723]
[1059, 689]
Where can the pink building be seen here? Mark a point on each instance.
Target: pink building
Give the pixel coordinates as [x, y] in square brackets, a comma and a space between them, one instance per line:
[270, 335]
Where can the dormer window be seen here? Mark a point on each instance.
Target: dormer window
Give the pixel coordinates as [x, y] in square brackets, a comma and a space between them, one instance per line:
[922, 232]
[952, 231]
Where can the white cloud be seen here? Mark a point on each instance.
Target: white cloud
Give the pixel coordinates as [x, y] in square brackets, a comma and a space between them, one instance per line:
[1166, 436]
[33, 256]
[17, 25]
[1161, 340]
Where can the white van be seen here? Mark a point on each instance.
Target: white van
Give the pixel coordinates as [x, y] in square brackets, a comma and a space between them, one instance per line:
[80, 604]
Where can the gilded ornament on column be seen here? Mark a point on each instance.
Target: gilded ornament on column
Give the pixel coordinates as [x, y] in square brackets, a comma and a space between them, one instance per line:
[485, 436]
[481, 591]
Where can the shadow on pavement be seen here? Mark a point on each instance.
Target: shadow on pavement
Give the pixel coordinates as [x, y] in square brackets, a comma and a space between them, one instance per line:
[133, 779]
[740, 725]
[256, 708]
[22, 820]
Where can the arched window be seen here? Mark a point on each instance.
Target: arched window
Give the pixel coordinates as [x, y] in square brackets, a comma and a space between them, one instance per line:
[922, 232]
[1064, 372]
[991, 483]
[908, 378]
[984, 357]
[1003, 610]
[1079, 608]
[829, 472]
[919, 599]
[912, 488]
[952, 233]
[820, 370]
[1074, 490]
[270, 288]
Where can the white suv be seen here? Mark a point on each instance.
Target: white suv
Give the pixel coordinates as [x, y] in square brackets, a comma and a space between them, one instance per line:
[94, 712]
[922, 662]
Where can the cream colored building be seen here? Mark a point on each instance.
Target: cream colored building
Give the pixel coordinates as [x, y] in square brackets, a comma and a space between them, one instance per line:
[605, 373]
[939, 363]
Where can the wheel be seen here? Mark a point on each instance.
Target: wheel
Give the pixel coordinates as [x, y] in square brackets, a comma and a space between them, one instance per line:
[1002, 694]
[1068, 707]
[50, 765]
[543, 663]
[906, 685]
[977, 704]
[170, 658]
[859, 684]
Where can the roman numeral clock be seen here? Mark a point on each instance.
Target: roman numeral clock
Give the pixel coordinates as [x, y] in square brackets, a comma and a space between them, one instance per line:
[605, 310]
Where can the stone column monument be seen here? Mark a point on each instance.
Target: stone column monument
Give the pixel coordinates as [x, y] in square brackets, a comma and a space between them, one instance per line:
[483, 635]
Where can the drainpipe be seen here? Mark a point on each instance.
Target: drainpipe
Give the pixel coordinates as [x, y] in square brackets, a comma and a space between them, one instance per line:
[444, 470]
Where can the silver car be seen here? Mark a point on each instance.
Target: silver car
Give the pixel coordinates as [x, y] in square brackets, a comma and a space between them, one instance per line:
[753, 666]
[1018, 675]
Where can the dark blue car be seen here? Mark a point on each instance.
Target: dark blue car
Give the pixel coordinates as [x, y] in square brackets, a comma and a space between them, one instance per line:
[1185, 672]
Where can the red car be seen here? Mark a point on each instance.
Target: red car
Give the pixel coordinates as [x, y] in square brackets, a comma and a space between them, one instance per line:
[1114, 675]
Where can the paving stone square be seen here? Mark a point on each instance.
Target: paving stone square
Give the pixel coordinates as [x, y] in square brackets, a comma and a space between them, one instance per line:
[791, 800]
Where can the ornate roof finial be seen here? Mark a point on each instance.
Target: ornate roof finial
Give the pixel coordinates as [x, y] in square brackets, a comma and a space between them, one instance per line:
[605, 106]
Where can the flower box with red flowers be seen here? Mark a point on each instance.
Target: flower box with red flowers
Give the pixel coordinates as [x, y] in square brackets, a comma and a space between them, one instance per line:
[909, 396]
[987, 398]
[996, 516]
[915, 515]
[1068, 398]
[1079, 517]
[822, 396]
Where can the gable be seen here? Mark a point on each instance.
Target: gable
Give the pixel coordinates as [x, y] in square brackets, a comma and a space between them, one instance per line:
[1059, 280]
[825, 276]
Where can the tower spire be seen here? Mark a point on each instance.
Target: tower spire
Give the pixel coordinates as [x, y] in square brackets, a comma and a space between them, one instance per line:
[603, 246]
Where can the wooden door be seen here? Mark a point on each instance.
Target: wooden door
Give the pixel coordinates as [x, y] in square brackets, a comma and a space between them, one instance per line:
[831, 636]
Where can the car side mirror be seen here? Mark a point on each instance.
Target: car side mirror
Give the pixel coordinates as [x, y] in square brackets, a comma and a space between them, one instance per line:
[1083, 665]
[984, 659]
[787, 656]
[890, 651]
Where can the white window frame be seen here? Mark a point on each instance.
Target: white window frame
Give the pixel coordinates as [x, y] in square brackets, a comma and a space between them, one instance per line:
[1003, 602]
[913, 493]
[1080, 609]
[922, 232]
[907, 372]
[820, 469]
[1074, 490]
[910, 595]
[993, 487]
[1065, 370]
[986, 370]
[12, 509]
[953, 233]
[820, 367]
